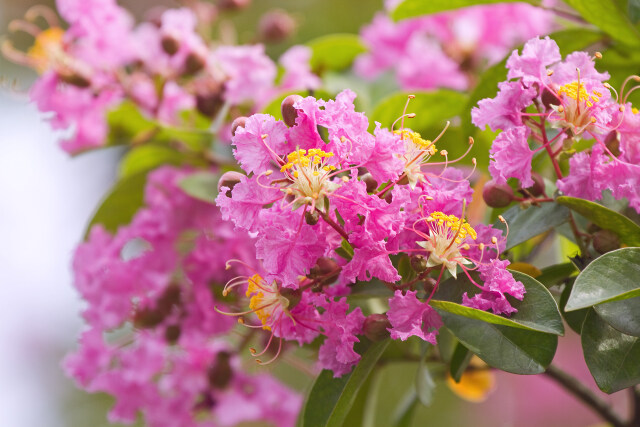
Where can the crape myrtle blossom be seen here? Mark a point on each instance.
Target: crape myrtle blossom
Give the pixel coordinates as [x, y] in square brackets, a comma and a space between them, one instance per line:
[571, 97]
[439, 50]
[153, 339]
[103, 59]
[319, 184]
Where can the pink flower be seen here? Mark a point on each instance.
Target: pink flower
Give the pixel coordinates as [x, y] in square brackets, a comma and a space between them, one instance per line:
[511, 156]
[246, 202]
[532, 64]
[503, 111]
[498, 281]
[258, 143]
[297, 74]
[411, 317]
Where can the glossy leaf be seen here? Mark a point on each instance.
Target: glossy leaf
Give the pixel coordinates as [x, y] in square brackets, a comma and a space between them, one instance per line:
[633, 10]
[612, 357]
[330, 399]
[120, 204]
[627, 230]
[334, 52]
[510, 349]
[556, 274]
[411, 8]
[201, 185]
[606, 16]
[574, 319]
[459, 361]
[532, 221]
[613, 276]
[623, 315]
[538, 310]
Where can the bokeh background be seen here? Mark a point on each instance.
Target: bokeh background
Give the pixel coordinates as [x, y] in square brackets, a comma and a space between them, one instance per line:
[46, 197]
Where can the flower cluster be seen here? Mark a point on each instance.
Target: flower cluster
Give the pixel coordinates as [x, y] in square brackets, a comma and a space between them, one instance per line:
[154, 340]
[164, 66]
[570, 98]
[445, 49]
[330, 203]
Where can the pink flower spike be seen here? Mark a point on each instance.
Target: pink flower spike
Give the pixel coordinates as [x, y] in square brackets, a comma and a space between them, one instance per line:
[259, 142]
[511, 156]
[412, 317]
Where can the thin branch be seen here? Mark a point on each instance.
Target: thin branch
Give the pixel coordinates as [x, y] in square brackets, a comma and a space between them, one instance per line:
[579, 390]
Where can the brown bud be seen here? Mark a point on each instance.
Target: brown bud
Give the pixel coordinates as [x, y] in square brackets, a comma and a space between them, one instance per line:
[229, 180]
[209, 96]
[312, 218]
[234, 4]
[428, 284]
[418, 263]
[375, 327]
[404, 180]
[323, 267]
[497, 195]
[275, 26]
[549, 98]
[372, 184]
[605, 241]
[221, 372]
[194, 63]
[289, 112]
[170, 45]
[292, 295]
[612, 142]
[75, 79]
[538, 185]
[239, 122]
[592, 228]
[172, 333]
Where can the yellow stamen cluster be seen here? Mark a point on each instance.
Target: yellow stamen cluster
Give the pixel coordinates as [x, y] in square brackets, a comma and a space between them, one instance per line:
[417, 140]
[575, 90]
[46, 45]
[258, 300]
[305, 159]
[454, 223]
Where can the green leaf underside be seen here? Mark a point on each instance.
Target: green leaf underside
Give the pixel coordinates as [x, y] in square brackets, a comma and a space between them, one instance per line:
[334, 52]
[627, 230]
[574, 319]
[623, 315]
[611, 277]
[201, 185]
[120, 204]
[612, 357]
[330, 399]
[411, 8]
[459, 361]
[606, 16]
[510, 349]
[538, 310]
[532, 221]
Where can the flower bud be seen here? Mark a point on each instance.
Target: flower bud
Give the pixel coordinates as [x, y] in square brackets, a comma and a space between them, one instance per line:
[209, 96]
[312, 218]
[612, 142]
[323, 266]
[234, 4]
[220, 373]
[289, 112]
[170, 45]
[418, 263]
[194, 63]
[549, 98]
[372, 184]
[275, 26]
[375, 327]
[428, 284]
[75, 79]
[229, 180]
[538, 186]
[605, 241]
[292, 295]
[172, 333]
[497, 195]
[238, 122]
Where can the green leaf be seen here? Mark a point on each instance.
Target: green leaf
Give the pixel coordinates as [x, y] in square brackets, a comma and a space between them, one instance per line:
[606, 16]
[532, 221]
[403, 415]
[612, 357]
[510, 349]
[125, 122]
[148, 157]
[623, 315]
[538, 310]
[120, 204]
[201, 185]
[425, 386]
[411, 8]
[574, 319]
[556, 274]
[334, 52]
[627, 230]
[633, 9]
[459, 361]
[612, 277]
[432, 109]
[331, 398]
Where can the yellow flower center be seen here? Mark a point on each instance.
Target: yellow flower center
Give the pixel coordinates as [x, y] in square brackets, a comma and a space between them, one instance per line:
[265, 299]
[419, 144]
[47, 48]
[577, 92]
[309, 175]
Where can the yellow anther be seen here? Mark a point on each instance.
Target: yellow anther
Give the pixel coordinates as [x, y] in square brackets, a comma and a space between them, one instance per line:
[454, 223]
[577, 91]
[417, 140]
[634, 110]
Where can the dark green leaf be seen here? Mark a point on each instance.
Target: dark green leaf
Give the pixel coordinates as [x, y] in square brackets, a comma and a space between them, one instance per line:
[510, 349]
[425, 386]
[334, 52]
[121, 204]
[459, 361]
[556, 274]
[574, 319]
[373, 289]
[331, 398]
[411, 8]
[613, 276]
[623, 315]
[148, 157]
[532, 221]
[201, 185]
[633, 9]
[627, 230]
[606, 16]
[538, 310]
[612, 357]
